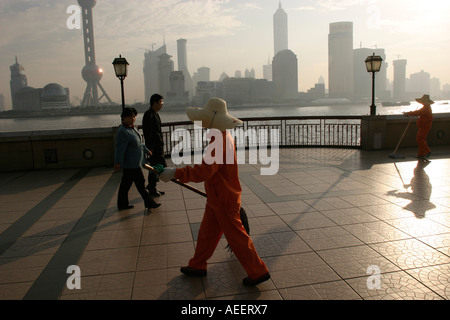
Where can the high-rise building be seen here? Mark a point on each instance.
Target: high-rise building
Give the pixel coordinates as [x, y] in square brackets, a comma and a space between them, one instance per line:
[399, 87]
[285, 75]
[249, 73]
[419, 82]
[280, 30]
[165, 68]
[18, 80]
[267, 70]
[177, 93]
[202, 75]
[182, 65]
[151, 72]
[2, 102]
[435, 87]
[340, 60]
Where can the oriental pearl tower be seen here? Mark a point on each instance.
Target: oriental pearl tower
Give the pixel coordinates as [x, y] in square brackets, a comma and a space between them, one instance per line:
[91, 72]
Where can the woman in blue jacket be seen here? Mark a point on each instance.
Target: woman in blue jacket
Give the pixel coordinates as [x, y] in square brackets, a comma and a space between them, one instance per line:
[129, 154]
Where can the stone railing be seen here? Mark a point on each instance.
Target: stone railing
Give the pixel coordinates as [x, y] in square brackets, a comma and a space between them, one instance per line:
[74, 148]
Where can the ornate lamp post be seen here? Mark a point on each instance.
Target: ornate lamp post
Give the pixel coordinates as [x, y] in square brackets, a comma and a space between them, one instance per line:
[373, 64]
[121, 70]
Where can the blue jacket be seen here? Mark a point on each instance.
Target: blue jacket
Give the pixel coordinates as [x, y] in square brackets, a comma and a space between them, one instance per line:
[130, 150]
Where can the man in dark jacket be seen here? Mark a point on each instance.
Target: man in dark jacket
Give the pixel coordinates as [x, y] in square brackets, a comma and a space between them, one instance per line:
[151, 125]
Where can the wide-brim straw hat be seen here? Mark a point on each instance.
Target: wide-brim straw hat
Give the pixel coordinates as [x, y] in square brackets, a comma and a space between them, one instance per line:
[425, 100]
[213, 115]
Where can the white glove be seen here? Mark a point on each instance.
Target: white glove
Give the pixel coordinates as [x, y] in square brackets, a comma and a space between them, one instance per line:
[168, 174]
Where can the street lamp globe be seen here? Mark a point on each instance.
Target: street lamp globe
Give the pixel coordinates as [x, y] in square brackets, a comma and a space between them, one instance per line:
[121, 67]
[373, 63]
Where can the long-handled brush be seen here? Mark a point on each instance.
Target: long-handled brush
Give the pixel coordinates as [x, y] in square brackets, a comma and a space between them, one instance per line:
[394, 154]
[242, 213]
[406, 186]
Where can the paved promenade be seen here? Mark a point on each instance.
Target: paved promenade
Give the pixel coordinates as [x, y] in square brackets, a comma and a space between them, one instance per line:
[331, 224]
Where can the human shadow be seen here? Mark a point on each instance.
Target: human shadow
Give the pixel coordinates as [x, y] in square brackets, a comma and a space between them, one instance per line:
[420, 187]
[221, 281]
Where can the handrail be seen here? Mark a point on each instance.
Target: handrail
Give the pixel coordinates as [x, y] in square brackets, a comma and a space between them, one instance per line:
[292, 131]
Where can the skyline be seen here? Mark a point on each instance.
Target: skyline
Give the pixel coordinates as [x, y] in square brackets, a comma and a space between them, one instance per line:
[224, 35]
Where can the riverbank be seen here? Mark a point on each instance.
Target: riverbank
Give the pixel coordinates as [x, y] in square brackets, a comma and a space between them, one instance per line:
[141, 107]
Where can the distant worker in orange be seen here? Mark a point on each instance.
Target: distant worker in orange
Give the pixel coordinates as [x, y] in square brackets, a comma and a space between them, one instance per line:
[424, 122]
[219, 171]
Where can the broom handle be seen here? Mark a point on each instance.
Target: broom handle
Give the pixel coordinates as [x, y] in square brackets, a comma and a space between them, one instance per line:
[404, 132]
[198, 191]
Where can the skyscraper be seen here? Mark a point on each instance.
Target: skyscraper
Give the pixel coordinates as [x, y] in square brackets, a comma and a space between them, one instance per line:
[419, 82]
[280, 30]
[151, 72]
[18, 80]
[267, 70]
[340, 60]
[399, 79]
[285, 75]
[165, 68]
[182, 65]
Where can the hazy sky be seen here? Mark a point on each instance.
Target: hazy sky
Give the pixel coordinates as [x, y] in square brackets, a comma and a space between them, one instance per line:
[224, 35]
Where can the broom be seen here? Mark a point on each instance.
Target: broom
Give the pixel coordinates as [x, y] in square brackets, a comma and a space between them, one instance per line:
[243, 215]
[394, 155]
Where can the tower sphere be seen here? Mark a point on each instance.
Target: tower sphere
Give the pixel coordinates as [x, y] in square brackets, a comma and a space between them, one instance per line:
[92, 72]
[87, 3]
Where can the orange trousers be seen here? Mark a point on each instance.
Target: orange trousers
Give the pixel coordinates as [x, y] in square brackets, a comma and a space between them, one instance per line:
[421, 139]
[222, 215]
[217, 222]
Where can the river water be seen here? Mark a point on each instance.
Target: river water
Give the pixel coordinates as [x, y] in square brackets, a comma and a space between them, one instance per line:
[111, 120]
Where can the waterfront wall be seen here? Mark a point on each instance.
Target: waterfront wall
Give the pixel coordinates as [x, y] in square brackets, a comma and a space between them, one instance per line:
[71, 148]
[75, 148]
[384, 132]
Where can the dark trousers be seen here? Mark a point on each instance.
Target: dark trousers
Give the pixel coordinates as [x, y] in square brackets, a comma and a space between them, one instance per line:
[129, 176]
[152, 177]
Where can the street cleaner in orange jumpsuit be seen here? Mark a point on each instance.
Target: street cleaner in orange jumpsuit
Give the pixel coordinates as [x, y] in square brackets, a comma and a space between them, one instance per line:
[220, 175]
[424, 122]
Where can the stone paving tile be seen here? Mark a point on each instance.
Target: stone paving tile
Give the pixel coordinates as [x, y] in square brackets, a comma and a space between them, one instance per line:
[437, 278]
[374, 232]
[329, 225]
[392, 286]
[410, 253]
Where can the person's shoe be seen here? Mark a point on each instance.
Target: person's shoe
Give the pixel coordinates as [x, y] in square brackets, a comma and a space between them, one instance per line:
[125, 208]
[420, 157]
[193, 272]
[154, 194]
[249, 282]
[153, 205]
[160, 192]
[428, 155]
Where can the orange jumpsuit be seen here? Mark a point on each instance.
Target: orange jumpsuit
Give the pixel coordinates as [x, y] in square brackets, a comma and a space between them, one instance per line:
[221, 214]
[424, 126]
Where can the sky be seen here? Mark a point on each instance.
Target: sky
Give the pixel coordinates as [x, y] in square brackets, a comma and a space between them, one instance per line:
[224, 35]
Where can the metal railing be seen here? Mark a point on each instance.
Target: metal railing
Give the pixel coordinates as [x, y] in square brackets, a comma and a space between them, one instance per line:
[326, 131]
